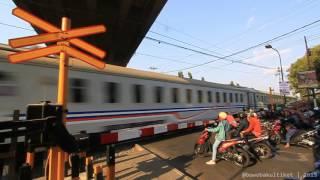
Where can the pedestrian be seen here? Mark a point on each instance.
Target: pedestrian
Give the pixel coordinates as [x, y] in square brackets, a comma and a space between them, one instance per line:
[220, 135]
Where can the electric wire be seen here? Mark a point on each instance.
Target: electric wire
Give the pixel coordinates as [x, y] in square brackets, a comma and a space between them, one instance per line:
[243, 50]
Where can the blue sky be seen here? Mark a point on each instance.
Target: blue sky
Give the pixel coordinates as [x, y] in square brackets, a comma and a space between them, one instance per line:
[223, 27]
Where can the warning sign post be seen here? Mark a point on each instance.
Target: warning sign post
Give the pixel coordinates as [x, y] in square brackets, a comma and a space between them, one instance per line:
[65, 37]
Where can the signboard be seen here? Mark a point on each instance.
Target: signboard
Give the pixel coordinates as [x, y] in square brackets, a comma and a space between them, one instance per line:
[284, 88]
[307, 79]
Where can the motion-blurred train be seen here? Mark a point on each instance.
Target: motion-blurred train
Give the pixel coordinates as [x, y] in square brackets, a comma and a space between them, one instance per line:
[118, 97]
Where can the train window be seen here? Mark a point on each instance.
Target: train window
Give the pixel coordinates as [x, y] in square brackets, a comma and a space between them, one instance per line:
[111, 90]
[78, 90]
[158, 94]
[175, 94]
[237, 97]
[218, 97]
[189, 95]
[137, 93]
[209, 97]
[48, 81]
[241, 97]
[224, 97]
[8, 84]
[200, 96]
[231, 97]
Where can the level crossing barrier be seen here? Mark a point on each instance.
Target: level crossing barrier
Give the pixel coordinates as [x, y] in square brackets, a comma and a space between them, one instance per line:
[43, 128]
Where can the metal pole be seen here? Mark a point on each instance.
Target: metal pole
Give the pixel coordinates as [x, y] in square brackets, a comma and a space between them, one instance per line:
[309, 67]
[271, 99]
[110, 162]
[281, 70]
[307, 52]
[56, 163]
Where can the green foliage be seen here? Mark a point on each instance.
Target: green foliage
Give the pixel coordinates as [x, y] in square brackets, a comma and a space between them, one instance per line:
[302, 65]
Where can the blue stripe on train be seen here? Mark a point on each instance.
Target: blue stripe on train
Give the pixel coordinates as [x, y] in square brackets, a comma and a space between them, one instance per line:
[131, 110]
[146, 111]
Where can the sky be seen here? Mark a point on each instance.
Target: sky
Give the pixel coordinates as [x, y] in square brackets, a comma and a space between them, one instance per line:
[218, 28]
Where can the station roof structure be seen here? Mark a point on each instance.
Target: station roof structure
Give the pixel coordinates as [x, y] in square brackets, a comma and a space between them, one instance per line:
[127, 21]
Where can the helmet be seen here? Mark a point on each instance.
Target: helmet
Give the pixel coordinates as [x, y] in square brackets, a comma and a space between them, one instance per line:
[222, 115]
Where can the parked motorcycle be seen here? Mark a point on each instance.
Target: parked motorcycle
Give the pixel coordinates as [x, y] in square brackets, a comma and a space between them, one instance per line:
[229, 150]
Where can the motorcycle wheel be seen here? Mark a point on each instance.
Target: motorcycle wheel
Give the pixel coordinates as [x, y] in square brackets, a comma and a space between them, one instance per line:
[241, 158]
[199, 150]
[276, 139]
[263, 151]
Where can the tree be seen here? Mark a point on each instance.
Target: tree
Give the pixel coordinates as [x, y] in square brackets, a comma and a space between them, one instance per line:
[180, 74]
[302, 65]
[190, 75]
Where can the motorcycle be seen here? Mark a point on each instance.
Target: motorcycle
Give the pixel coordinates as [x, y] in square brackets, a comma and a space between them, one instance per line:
[277, 133]
[304, 138]
[274, 132]
[260, 146]
[229, 150]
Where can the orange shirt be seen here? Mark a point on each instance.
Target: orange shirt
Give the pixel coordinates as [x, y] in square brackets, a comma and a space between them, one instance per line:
[254, 126]
[231, 121]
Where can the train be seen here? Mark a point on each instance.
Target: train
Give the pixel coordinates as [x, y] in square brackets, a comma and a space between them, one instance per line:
[118, 97]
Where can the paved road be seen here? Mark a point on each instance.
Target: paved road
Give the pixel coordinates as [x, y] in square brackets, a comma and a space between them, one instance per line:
[177, 151]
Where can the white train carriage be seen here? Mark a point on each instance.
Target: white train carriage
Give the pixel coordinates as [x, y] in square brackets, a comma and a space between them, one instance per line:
[117, 97]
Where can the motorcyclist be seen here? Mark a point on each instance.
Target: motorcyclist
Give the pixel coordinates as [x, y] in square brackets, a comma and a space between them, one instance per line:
[242, 125]
[254, 128]
[290, 131]
[220, 131]
[233, 125]
[231, 120]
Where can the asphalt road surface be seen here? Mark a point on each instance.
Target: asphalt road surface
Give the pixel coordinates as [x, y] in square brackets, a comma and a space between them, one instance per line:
[177, 151]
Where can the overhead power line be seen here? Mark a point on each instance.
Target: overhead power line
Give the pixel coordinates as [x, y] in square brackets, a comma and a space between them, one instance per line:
[203, 53]
[180, 41]
[18, 27]
[186, 62]
[235, 53]
[189, 44]
[208, 54]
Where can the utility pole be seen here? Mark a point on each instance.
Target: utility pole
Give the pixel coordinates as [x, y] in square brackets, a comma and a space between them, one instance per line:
[271, 99]
[309, 68]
